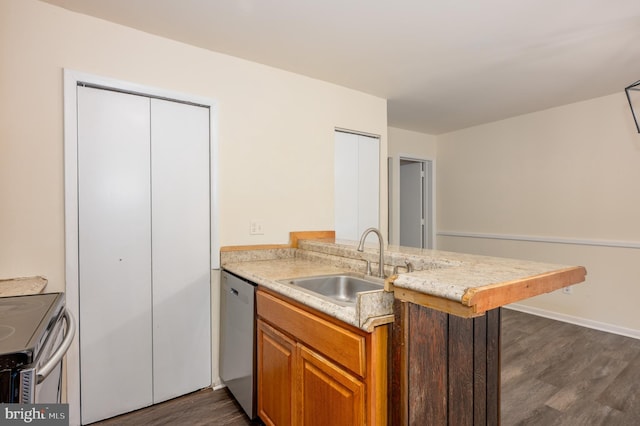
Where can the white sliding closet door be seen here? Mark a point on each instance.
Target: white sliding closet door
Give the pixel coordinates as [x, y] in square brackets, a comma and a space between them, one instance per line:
[144, 251]
[346, 185]
[368, 183]
[114, 209]
[180, 246]
[357, 184]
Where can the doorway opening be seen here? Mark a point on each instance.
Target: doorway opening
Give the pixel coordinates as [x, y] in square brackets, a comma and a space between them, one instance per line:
[416, 218]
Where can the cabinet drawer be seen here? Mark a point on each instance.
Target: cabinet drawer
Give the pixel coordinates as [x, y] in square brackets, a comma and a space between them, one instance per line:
[343, 346]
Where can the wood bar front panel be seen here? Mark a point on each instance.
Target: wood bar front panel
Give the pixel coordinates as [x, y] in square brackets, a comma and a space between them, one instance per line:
[445, 368]
[460, 371]
[493, 366]
[427, 363]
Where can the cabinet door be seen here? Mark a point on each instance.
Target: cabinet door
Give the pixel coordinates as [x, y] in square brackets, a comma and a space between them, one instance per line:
[180, 247]
[276, 375]
[114, 237]
[328, 394]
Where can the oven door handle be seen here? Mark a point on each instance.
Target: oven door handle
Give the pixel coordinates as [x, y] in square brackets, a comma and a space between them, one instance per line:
[48, 366]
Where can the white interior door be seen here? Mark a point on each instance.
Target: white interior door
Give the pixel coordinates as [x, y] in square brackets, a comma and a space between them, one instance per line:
[181, 260]
[416, 203]
[114, 228]
[411, 204]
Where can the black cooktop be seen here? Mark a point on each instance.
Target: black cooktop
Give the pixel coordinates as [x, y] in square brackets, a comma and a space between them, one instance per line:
[25, 322]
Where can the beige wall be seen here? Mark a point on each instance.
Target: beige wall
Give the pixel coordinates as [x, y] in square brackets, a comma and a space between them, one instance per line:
[570, 173]
[407, 144]
[275, 130]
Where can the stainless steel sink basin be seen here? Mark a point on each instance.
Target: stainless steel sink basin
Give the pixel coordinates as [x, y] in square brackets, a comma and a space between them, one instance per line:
[341, 288]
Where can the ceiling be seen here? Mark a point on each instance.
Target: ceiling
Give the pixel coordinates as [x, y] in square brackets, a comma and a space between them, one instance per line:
[442, 65]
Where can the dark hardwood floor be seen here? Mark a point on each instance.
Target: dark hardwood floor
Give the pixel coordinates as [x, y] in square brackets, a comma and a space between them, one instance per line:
[553, 373]
[201, 408]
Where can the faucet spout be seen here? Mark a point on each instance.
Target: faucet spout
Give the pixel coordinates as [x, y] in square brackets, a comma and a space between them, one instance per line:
[381, 241]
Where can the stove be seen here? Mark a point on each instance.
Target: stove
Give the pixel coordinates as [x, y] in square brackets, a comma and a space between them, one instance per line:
[35, 332]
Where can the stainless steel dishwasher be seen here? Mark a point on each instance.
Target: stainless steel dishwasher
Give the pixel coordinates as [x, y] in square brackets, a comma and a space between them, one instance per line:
[237, 339]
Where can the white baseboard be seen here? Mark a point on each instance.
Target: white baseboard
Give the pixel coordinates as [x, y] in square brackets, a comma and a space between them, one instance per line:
[596, 325]
[217, 383]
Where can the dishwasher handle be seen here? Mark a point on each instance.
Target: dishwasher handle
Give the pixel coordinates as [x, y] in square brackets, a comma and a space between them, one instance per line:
[48, 366]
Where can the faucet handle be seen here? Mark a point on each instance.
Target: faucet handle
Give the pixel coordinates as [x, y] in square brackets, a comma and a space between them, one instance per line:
[409, 266]
[368, 271]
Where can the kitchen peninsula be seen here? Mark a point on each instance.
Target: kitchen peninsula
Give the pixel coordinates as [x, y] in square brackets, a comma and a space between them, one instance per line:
[443, 319]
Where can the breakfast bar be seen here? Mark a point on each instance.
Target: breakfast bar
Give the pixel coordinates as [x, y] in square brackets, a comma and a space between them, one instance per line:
[445, 366]
[442, 310]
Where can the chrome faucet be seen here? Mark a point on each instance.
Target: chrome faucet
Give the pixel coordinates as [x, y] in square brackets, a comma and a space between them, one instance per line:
[381, 241]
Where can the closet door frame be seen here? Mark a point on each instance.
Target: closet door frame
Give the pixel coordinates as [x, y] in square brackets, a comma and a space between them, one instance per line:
[71, 81]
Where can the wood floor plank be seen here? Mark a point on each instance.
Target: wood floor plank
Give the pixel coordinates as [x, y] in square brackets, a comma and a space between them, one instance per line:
[525, 399]
[624, 392]
[585, 412]
[204, 407]
[555, 373]
[592, 380]
[571, 364]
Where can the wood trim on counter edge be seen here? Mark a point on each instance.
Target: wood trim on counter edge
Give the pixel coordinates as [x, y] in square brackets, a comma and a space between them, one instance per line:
[485, 298]
[294, 237]
[438, 303]
[478, 300]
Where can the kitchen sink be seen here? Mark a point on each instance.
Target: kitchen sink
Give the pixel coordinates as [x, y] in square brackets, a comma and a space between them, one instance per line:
[341, 288]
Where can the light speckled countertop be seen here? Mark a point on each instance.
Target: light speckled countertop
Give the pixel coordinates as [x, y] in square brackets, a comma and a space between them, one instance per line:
[475, 283]
[371, 308]
[22, 286]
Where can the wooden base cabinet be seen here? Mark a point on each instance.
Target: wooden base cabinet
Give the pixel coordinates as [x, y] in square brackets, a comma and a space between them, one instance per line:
[328, 394]
[276, 372]
[313, 370]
